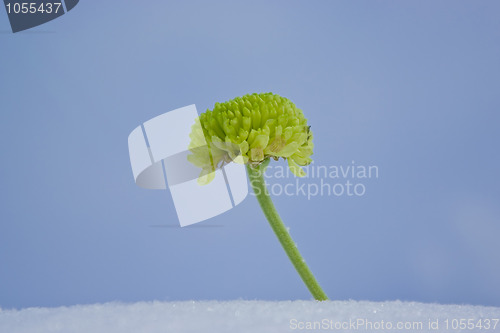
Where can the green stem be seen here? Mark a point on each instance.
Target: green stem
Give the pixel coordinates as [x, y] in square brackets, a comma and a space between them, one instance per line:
[256, 175]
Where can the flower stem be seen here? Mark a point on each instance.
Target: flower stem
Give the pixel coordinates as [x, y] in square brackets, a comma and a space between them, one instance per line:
[256, 176]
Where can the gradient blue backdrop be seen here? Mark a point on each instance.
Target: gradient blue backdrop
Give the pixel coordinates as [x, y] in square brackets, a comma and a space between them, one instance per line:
[412, 87]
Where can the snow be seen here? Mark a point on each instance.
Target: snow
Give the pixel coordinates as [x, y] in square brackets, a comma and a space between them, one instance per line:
[248, 316]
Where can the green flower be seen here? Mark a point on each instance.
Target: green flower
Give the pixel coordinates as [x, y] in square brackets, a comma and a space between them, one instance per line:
[249, 130]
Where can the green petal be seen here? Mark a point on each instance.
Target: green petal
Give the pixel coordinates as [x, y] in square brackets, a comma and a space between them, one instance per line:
[296, 170]
[289, 149]
[260, 141]
[244, 147]
[206, 176]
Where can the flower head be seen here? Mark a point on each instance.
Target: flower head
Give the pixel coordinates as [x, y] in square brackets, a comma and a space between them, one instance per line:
[249, 130]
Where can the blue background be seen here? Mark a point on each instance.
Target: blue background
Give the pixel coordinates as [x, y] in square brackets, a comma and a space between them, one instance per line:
[412, 87]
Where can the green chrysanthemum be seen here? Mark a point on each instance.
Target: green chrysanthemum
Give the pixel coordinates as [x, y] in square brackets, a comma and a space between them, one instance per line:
[251, 129]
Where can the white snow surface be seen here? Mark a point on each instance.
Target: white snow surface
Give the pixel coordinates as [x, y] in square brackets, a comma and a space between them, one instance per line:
[249, 316]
